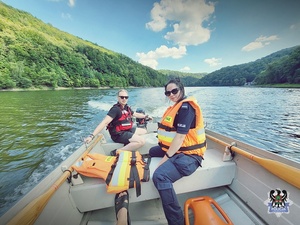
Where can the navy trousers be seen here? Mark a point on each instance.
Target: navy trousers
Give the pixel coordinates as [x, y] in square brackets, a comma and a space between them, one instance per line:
[166, 174]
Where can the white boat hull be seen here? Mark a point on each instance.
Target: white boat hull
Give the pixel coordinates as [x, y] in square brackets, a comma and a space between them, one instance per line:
[240, 186]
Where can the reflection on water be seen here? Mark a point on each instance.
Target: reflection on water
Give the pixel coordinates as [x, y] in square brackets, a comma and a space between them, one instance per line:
[266, 118]
[40, 129]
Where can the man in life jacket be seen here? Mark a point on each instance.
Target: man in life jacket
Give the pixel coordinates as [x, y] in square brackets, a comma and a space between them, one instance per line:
[120, 125]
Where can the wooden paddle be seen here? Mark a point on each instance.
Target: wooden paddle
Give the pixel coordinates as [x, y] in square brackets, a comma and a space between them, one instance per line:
[31, 212]
[285, 172]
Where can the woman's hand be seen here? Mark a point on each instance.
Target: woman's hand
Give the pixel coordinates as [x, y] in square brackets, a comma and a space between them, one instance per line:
[165, 158]
[177, 141]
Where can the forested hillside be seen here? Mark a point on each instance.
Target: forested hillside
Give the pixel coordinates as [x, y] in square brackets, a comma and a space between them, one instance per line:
[188, 79]
[35, 54]
[278, 68]
[284, 70]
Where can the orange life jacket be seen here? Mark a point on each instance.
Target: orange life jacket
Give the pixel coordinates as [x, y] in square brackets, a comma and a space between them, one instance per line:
[195, 140]
[121, 172]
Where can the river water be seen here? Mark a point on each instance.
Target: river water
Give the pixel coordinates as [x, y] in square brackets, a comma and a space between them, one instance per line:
[40, 129]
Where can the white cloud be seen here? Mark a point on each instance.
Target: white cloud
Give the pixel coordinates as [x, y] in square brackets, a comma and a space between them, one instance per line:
[252, 46]
[71, 3]
[187, 17]
[186, 68]
[213, 62]
[259, 42]
[264, 39]
[158, 23]
[150, 58]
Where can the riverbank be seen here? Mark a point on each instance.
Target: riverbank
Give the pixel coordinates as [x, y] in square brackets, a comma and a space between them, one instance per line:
[279, 85]
[101, 88]
[58, 88]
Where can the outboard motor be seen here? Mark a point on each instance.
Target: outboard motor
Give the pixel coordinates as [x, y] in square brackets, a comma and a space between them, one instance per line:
[142, 123]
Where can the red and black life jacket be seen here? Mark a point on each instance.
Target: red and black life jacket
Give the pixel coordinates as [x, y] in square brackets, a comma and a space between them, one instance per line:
[124, 123]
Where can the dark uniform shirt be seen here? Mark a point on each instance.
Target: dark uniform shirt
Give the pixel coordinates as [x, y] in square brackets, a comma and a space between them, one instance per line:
[185, 118]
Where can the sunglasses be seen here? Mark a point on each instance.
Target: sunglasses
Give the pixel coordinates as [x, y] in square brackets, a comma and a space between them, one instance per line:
[174, 92]
[122, 97]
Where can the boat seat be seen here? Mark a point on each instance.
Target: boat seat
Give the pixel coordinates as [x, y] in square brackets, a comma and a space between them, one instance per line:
[92, 195]
[206, 211]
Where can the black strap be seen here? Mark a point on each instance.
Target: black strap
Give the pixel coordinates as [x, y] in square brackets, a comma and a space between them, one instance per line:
[146, 176]
[231, 151]
[188, 148]
[69, 179]
[134, 175]
[166, 127]
[111, 172]
[133, 158]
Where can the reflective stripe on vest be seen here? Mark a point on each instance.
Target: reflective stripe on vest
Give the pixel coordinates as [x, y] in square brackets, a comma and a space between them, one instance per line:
[169, 136]
[128, 172]
[121, 170]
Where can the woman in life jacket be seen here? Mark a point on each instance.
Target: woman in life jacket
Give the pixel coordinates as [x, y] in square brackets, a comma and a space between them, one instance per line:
[120, 125]
[181, 144]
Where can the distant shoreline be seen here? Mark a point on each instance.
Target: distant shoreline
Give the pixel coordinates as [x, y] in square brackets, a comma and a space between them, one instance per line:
[99, 88]
[56, 89]
[279, 86]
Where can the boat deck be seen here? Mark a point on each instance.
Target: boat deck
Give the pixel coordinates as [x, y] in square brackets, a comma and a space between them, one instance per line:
[213, 173]
[151, 213]
[211, 179]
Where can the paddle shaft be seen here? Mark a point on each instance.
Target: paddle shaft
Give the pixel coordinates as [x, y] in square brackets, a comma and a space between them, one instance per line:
[31, 212]
[285, 172]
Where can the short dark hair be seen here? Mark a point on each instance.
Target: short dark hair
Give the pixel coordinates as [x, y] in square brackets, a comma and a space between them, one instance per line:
[179, 84]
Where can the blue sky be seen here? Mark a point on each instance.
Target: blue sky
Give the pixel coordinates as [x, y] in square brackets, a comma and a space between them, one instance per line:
[183, 35]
